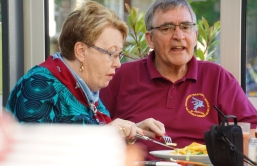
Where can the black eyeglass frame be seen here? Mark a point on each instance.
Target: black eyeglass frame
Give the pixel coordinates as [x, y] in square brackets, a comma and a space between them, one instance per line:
[111, 54]
[173, 26]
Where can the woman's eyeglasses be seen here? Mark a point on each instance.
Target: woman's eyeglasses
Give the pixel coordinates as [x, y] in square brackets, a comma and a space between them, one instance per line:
[169, 28]
[113, 54]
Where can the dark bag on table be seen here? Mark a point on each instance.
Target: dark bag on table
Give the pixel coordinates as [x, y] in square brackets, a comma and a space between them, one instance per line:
[224, 143]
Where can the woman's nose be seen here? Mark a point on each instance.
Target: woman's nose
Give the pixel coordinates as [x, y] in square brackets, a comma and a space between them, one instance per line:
[116, 63]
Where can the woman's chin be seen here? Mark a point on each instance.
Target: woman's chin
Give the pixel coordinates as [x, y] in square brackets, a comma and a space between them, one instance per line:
[105, 84]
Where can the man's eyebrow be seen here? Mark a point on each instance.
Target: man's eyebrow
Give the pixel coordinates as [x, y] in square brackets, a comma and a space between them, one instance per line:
[167, 23]
[171, 23]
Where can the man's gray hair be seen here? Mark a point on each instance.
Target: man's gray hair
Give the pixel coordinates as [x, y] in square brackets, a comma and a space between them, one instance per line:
[163, 6]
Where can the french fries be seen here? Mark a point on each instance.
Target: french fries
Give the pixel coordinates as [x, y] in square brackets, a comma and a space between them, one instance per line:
[192, 149]
[171, 144]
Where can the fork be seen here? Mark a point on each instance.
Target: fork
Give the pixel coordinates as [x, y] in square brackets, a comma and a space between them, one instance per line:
[149, 139]
[165, 138]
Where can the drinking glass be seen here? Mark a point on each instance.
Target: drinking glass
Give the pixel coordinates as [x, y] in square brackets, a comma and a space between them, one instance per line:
[246, 135]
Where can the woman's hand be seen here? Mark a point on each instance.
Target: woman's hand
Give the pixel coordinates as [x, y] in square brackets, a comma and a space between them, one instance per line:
[152, 127]
[127, 128]
[149, 127]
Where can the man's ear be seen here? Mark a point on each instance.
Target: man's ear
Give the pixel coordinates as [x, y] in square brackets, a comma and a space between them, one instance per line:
[149, 40]
[80, 51]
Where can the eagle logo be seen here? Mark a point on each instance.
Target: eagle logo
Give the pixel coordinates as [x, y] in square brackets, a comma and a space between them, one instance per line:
[197, 105]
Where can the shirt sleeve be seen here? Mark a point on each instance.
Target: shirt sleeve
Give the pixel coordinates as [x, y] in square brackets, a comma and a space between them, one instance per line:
[233, 101]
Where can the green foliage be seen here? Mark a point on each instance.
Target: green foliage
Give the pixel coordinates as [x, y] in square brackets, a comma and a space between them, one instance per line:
[137, 47]
[207, 41]
[209, 9]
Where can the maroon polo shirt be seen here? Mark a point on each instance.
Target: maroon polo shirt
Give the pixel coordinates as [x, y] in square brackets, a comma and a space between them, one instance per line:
[138, 92]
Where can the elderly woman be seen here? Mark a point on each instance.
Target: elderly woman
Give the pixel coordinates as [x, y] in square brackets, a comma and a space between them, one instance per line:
[65, 88]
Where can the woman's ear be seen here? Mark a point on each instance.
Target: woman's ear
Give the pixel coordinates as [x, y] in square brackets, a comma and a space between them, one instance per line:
[149, 40]
[80, 51]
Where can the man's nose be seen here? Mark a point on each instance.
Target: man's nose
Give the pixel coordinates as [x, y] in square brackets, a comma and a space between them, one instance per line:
[178, 33]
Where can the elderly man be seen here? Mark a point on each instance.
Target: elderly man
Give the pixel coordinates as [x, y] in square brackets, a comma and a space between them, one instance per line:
[170, 85]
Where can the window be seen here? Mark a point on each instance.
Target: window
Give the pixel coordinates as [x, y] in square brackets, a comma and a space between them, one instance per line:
[251, 48]
[59, 9]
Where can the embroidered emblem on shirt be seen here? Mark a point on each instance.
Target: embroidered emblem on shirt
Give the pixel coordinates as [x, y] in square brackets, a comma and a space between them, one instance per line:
[197, 105]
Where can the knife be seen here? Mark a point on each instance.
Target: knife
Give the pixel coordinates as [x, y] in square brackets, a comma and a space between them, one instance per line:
[149, 139]
[157, 163]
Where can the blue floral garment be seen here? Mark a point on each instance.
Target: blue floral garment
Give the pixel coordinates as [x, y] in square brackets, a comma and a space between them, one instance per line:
[39, 97]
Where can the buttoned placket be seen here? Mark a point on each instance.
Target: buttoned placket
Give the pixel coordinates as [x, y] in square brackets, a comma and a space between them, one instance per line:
[170, 97]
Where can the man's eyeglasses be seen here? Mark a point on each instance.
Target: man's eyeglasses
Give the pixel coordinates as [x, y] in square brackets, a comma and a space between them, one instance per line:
[113, 54]
[169, 28]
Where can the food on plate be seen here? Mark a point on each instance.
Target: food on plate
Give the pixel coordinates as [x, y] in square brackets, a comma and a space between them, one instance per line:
[171, 144]
[192, 149]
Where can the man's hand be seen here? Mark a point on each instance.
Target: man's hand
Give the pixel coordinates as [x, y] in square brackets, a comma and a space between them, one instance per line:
[152, 127]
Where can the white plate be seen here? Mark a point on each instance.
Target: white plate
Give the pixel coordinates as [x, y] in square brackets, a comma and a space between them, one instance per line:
[166, 155]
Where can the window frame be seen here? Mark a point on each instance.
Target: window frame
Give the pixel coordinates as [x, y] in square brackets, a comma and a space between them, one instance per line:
[233, 40]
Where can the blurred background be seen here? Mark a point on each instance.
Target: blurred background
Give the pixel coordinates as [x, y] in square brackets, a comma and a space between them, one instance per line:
[14, 62]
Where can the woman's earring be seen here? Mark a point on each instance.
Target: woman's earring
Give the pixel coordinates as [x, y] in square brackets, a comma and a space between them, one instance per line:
[81, 69]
